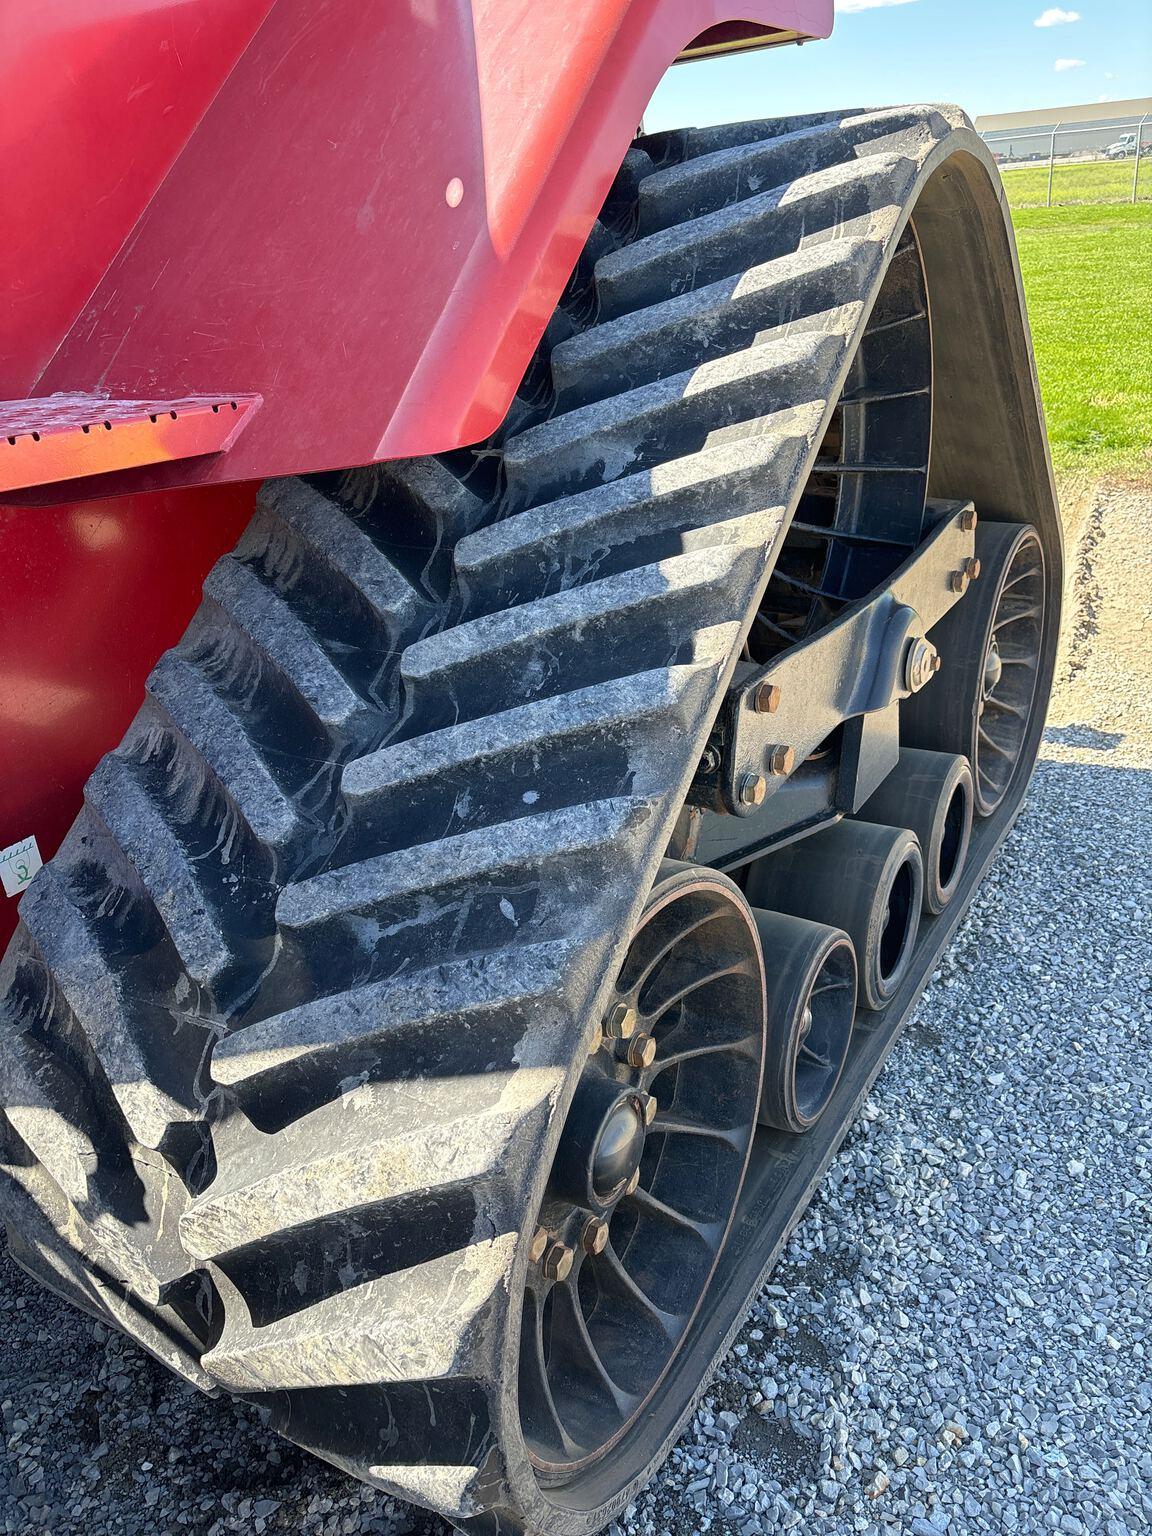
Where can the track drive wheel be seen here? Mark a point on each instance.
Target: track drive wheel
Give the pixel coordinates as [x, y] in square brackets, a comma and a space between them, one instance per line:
[647, 1174]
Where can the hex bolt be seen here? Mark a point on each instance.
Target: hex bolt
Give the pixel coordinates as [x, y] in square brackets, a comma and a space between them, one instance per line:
[958, 580]
[594, 1237]
[633, 1183]
[968, 519]
[538, 1244]
[781, 761]
[972, 567]
[557, 1262]
[620, 1024]
[753, 788]
[766, 699]
[640, 1052]
[650, 1106]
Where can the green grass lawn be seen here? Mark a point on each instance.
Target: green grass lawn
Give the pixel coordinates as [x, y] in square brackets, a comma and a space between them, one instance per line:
[1088, 276]
[1094, 181]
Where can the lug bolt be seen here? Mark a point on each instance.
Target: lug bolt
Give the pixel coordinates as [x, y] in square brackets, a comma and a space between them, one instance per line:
[620, 1023]
[968, 519]
[538, 1245]
[766, 699]
[958, 580]
[650, 1106]
[594, 1237]
[640, 1052]
[633, 1183]
[972, 567]
[753, 788]
[781, 761]
[557, 1262]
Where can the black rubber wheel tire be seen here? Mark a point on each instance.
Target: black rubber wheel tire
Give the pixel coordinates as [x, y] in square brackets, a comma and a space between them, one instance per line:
[931, 793]
[867, 880]
[810, 971]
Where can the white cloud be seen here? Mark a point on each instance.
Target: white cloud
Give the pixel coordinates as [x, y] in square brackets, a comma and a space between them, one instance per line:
[1063, 64]
[1055, 17]
[868, 5]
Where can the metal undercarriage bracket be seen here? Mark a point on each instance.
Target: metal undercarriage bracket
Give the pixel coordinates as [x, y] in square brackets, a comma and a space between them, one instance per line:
[851, 674]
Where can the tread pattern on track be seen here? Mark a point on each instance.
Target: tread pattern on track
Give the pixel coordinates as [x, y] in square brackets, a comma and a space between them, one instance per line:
[286, 1019]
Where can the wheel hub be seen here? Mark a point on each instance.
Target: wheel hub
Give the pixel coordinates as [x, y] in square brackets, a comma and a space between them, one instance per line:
[619, 1149]
[993, 669]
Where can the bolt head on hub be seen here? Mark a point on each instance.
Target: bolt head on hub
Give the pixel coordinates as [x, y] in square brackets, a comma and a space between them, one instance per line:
[594, 1237]
[650, 1105]
[641, 1052]
[557, 1262]
[620, 1023]
[538, 1244]
[781, 761]
[958, 581]
[968, 519]
[972, 566]
[766, 699]
[633, 1183]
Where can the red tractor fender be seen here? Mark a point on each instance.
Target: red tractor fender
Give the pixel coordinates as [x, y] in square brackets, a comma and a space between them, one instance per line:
[363, 214]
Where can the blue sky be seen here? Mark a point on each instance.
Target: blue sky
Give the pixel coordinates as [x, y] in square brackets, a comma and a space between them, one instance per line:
[987, 55]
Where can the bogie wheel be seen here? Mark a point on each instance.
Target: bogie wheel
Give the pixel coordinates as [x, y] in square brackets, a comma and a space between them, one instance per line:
[992, 644]
[647, 1176]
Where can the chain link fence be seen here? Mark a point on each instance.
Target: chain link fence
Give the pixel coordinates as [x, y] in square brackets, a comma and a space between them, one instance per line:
[1076, 163]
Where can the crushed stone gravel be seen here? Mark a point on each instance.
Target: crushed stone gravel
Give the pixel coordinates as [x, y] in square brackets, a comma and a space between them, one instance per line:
[957, 1339]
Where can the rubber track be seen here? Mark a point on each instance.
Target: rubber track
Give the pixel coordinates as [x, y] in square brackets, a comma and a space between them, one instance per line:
[287, 1018]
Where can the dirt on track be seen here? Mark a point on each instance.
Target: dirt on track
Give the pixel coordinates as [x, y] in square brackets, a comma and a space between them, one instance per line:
[102, 1440]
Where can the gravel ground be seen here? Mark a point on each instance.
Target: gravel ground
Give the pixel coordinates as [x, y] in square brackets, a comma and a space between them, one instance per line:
[957, 1340]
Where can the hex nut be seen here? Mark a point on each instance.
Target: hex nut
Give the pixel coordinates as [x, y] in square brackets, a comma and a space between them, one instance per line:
[766, 699]
[968, 519]
[620, 1022]
[651, 1106]
[538, 1244]
[972, 568]
[557, 1262]
[594, 1237]
[920, 665]
[753, 788]
[633, 1183]
[781, 761]
[958, 580]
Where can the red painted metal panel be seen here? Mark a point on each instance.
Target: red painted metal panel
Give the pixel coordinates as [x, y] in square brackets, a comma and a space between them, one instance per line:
[309, 243]
[64, 437]
[92, 594]
[98, 97]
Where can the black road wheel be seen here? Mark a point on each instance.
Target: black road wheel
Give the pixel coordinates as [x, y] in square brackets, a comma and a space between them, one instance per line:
[932, 794]
[992, 645]
[296, 1021]
[810, 972]
[648, 1172]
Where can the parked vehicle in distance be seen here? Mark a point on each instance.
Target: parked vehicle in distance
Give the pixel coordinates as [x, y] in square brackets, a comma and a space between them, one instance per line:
[1125, 145]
